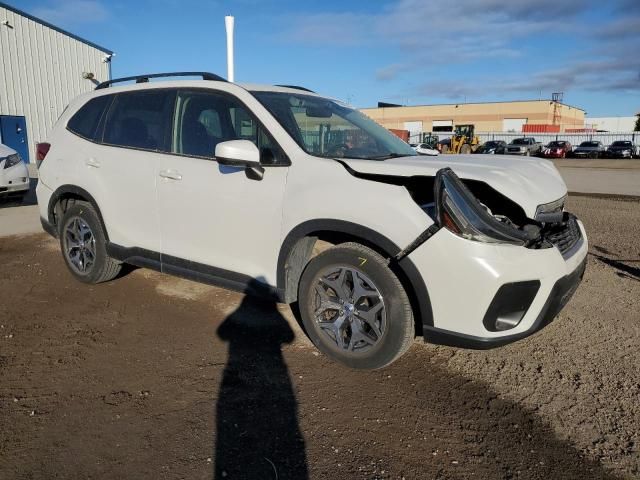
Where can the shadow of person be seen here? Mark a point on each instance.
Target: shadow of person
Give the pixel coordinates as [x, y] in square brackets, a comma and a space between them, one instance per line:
[257, 432]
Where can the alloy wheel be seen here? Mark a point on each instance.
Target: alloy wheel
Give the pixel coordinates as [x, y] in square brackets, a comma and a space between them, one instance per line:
[80, 245]
[349, 308]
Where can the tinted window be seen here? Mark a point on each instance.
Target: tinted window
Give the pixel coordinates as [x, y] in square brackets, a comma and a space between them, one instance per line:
[204, 119]
[140, 120]
[86, 120]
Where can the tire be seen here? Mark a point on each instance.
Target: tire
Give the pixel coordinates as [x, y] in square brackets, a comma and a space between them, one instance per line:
[377, 327]
[466, 149]
[445, 149]
[82, 237]
[527, 153]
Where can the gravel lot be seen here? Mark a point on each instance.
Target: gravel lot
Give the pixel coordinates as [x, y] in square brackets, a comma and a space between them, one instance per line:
[156, 377]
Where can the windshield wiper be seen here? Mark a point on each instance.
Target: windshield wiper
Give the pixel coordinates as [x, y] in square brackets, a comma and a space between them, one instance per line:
[388, 156]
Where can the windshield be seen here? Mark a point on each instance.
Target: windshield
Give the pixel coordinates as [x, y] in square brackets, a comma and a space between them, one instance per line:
[620, 143]
[520, 141]
[589, 144]
[556, 144]
[325, 128]
[491, 144]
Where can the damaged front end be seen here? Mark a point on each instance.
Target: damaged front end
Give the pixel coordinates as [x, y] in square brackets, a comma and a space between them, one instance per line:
[476, 212]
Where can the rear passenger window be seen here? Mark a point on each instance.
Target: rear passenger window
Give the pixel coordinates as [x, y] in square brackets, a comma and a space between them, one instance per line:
[140, 120]
[86, 120]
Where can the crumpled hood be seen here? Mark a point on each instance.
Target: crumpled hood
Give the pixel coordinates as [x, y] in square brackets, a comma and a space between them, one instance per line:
[527, 181]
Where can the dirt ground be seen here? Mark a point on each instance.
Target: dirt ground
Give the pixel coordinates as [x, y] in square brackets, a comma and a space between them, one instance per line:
[153, 377]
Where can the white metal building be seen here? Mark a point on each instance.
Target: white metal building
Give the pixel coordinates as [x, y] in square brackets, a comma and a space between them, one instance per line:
[611, 124]
[42, 68]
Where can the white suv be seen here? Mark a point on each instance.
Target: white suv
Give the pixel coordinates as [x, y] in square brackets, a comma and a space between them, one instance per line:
[234, 185]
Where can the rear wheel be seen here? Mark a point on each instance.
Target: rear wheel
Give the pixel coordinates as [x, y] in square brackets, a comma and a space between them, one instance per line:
[353, 307]
[83, 245]
[466, 148]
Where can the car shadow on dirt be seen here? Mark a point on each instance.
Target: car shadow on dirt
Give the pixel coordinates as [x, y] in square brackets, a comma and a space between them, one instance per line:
[623, 269]
[257, 412]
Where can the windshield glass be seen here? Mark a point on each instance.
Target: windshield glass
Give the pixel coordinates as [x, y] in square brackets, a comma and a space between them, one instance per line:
[589, 144]
[520, 141]
[325, 128]
[621, 143]
[556, 144]
[491, 144]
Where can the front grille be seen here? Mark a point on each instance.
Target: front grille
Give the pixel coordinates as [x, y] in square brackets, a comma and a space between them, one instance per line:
[563, 235]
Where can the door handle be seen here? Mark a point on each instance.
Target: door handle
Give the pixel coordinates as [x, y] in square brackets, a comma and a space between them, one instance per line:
[92, 162]
[171, 174]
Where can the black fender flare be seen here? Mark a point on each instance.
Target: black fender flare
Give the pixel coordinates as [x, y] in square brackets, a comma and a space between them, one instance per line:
[412, 280]
[77, 191]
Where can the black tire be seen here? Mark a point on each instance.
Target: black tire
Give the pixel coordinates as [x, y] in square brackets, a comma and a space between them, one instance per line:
[466, 149]
[104, 267]
[399, 331]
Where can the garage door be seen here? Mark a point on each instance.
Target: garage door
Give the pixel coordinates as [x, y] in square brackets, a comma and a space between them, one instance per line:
[415, 129]
[513, 124]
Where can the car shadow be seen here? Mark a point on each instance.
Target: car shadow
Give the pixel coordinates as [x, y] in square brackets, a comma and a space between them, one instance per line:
[624, 270]
[257, 431]
[28, 199]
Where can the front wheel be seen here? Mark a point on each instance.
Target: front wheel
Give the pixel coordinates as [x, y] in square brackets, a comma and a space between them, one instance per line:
[353, 307]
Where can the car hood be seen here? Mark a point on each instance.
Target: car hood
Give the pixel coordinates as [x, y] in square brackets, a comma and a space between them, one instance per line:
[6, 151]
[527, 181]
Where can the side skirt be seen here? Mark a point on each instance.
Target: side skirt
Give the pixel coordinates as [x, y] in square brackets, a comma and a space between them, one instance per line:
[198, 272]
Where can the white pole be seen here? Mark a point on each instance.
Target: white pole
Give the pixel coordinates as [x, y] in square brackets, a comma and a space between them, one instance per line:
[228, 23]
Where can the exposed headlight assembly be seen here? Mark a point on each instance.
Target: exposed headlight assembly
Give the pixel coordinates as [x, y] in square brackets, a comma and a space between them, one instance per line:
[12, 160]
[551, 212]
[460, 212]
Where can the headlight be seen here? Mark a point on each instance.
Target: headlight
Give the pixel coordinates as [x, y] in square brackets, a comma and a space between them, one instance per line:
[551, 212]
[12, 160]
[491, 150]
[626, 151]
[459, 211]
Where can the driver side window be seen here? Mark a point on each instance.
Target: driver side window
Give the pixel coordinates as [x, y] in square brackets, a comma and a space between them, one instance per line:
[205, 119]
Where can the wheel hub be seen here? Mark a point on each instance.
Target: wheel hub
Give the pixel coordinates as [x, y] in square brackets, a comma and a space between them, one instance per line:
[80, 245]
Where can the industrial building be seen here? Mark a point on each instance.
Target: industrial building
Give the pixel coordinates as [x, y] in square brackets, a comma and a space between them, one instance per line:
[42, 68]
[517, 116]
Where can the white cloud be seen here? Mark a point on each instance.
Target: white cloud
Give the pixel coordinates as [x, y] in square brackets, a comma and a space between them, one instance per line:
[72, 12]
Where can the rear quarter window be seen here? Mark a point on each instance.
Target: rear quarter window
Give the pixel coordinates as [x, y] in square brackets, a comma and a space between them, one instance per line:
[86, 120]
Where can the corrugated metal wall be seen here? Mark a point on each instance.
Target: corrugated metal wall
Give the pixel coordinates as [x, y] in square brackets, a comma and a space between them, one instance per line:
[41, 71]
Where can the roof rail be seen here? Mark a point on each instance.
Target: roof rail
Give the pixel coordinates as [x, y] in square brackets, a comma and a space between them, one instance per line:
[145, 78]
[295, 87]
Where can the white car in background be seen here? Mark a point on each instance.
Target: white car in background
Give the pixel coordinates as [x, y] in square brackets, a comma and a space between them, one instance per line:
[235, 185]
[425, 149]
[14, 176]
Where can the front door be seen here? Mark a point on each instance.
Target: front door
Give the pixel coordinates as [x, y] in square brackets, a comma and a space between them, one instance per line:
[216, 216]
[13, 130]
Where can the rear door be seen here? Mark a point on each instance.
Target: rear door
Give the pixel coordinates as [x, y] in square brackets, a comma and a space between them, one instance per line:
[218, 219]
[123, 166]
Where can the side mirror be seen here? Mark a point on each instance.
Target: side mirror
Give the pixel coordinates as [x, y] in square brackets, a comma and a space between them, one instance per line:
[238, 153]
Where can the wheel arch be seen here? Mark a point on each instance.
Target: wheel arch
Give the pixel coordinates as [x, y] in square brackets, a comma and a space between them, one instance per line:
[297, 248]
[55, 209]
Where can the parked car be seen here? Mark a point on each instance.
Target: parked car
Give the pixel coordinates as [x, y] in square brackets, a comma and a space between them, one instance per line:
[492, 147]
[14, 175]
[622, 149]
[425, 149]
[589, 149]
[557, 149]
[237, 185]
[524, 146]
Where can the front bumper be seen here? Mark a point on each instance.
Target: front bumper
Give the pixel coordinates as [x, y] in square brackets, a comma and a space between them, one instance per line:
[464, 277]
[618, 154]
[14, 180]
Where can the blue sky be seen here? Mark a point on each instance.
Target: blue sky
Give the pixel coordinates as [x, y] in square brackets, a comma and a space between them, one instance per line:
[403, 51]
